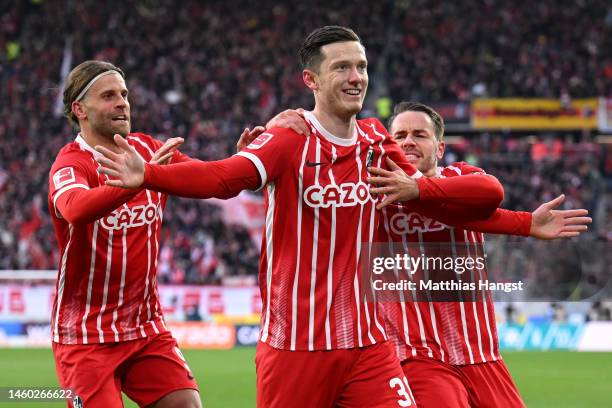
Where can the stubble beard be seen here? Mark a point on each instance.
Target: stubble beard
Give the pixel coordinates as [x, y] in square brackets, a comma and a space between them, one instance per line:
[108, 130]
[428, 164]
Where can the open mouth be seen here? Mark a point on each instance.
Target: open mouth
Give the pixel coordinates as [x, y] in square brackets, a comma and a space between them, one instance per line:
[120, 118]
[412, 156]
[352, 92]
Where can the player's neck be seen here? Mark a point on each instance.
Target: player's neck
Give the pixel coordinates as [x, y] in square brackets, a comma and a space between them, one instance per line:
[430, 172]
[94, 139]
[343, 128]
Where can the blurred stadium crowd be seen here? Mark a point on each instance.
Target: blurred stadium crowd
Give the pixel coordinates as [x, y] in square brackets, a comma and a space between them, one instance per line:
[205, 70]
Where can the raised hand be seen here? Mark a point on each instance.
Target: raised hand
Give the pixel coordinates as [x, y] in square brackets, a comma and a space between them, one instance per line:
[127, 167]
[163, 155]
[248, 136]
[290, 119]
[396, 184]
[548, 223]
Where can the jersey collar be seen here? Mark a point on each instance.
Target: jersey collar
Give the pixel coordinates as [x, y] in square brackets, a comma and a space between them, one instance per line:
[84, 146]
[327, 135]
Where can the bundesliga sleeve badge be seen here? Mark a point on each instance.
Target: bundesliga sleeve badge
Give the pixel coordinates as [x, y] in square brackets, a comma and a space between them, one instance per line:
[63, 177]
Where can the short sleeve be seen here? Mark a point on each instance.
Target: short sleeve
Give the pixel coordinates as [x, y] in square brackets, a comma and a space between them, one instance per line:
[273, 153]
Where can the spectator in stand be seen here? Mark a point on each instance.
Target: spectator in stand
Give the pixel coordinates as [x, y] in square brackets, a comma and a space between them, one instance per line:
[188, 64]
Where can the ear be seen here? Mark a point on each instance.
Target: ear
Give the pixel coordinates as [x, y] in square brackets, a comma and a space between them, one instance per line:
[440, 152]
[79, 110]
[310, 79]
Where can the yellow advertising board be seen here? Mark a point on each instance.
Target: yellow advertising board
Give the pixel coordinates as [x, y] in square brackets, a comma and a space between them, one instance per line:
[534, 114]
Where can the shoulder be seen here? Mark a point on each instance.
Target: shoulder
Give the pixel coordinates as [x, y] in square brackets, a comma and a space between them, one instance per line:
[142, 138]
[277, 137]
[373, 126]
[71, 153]
[461, 169]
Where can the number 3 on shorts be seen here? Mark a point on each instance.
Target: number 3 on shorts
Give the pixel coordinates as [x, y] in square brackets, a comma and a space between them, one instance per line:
[403, 390]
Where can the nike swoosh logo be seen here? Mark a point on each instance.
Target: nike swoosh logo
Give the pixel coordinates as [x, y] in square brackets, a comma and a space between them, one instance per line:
[313, 164]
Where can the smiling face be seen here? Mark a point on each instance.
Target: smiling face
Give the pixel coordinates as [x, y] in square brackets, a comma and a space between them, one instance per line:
[341, 82]
[105, 110]
[414, 132]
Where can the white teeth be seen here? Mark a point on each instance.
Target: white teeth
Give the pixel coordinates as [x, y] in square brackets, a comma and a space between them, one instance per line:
[411, 156]
[352, 91]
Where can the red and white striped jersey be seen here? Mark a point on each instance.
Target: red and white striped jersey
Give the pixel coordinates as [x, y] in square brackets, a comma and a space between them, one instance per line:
[318, 213]
[107, 282]
[458, 333]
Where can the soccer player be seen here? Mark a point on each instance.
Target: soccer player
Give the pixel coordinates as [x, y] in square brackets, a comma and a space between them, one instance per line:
[426, 334]
[449, 350]
[320, 343]
[108, 331]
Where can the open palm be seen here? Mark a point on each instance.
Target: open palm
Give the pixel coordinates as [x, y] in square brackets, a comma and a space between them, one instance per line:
[548, 223]
[126, 167]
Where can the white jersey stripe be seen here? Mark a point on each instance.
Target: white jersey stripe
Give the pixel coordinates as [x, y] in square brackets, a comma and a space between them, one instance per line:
[332, 248]
[92, 266]
[432, 312]
[358, 253]
[359, 240]
[371, 240]
[60, 286]
[269, 256]
[296, 277]
[466, 336]
[415, 304]
[484, 300]
[109, 258]
[402, 299]
[154, 290]
[146, 286]
[474, 309]
[315, 244]
[143, 144]
[122, 284]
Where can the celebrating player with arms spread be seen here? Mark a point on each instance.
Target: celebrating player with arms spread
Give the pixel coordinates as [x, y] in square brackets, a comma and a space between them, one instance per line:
[320, 344]
[108, 330]
[443, 346]
[449, 350]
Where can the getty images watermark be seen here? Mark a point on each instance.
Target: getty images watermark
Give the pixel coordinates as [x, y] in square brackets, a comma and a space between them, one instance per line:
[413, 265]
[470, 272]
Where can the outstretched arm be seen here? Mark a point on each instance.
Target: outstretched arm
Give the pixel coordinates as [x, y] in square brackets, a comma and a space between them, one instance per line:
[544, 223]
[82, 204]
[549, 223]
[476, 194]
[197, 179]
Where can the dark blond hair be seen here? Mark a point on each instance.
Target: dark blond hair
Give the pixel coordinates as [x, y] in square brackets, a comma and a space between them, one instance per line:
[78, 79]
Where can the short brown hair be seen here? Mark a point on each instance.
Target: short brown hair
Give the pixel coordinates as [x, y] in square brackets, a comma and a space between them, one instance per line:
[78, 79]
[310, 52]
[435, 117]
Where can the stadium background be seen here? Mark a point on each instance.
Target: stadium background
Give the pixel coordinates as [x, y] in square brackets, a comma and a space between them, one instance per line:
[525, 89]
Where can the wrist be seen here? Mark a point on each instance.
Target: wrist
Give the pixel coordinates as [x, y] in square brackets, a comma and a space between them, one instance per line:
[146, 175]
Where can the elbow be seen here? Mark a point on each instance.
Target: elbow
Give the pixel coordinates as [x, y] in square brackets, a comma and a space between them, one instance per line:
[228, 193]
[74, 218]
[495, 192]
